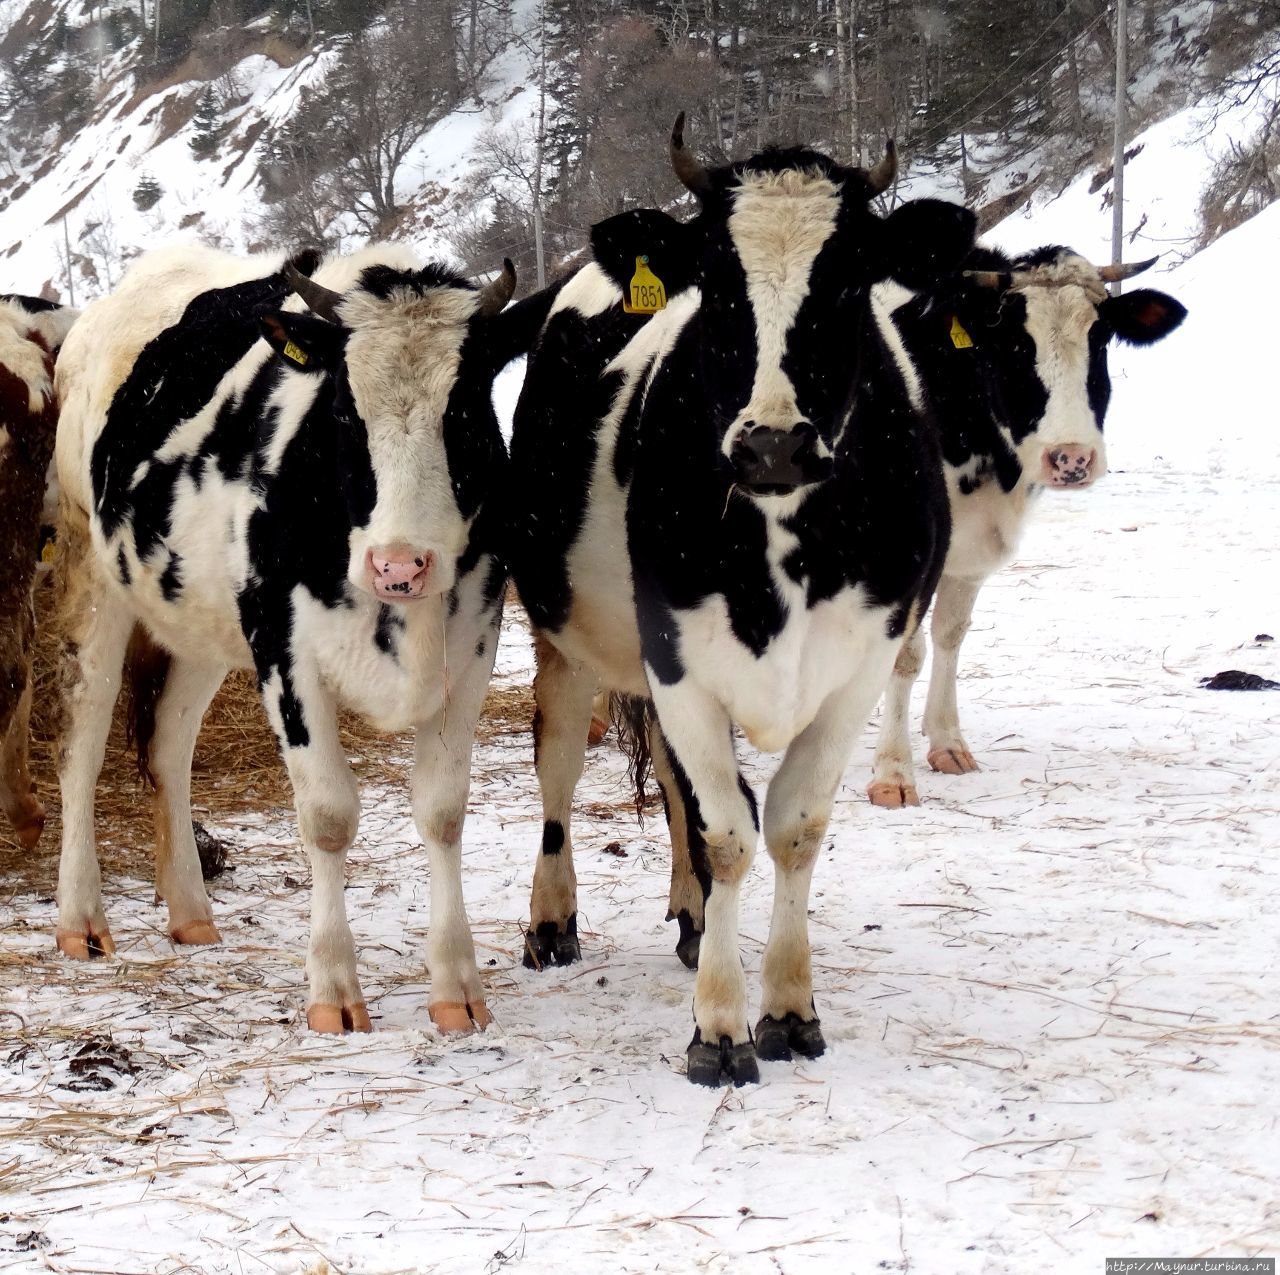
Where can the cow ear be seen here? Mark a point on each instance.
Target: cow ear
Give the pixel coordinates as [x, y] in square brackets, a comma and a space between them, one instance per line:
[670, 245]
[302, 341]
[926, 240]
[1143, 316]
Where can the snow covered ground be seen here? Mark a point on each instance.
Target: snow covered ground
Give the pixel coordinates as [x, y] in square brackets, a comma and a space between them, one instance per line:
[1050, 992]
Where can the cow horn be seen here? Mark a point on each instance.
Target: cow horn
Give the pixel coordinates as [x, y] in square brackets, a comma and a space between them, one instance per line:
[692, 175]
[320, 300]
[1125, 270]
[493, 296]
[880, 178]
[999, 279]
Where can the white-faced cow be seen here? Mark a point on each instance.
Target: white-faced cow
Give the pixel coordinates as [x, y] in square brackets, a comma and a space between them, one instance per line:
[733, 510]
[31, 331]
[311, 505]
[1013, 355]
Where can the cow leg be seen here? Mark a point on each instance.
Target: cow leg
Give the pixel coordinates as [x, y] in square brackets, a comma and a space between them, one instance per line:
[952, 611]
[188, 689]
[562, 691]
[18, 797]
[305, 718]
[796, 813]
[893, 780]
[95, 631]
[441, 781]
[721, 825]
[687, 900]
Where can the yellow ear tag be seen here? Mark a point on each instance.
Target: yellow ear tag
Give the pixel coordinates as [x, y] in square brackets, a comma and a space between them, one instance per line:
[49, 550]
[959, 337]
[296, 355]
[646, 294]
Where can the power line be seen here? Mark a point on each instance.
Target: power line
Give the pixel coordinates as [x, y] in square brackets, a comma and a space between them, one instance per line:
[1017, 88]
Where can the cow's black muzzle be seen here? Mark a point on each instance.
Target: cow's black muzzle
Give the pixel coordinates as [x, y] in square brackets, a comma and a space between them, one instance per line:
[773, 462]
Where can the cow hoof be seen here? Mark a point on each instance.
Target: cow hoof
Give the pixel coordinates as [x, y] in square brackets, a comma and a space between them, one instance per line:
[460, 1018]
[690, 938]
[778, 1038]
[196, 934]
[952, 761]
[28, 822]
[335, 1020]
[711, 1065]
[84, 945]
[893, 796]
[547, 944]
[598, 729]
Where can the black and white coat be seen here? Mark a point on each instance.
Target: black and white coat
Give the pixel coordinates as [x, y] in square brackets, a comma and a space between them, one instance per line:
[255, 487]
[1013, 357]
[731, 512]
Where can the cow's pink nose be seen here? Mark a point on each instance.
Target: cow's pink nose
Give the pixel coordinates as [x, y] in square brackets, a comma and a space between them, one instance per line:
[398, 572]
[1068, 465]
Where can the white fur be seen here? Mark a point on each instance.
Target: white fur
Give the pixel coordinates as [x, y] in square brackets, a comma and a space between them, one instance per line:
[402, 359]
[22, 356]
[774, 696]
[590, 292]
[885, 298]
[779, 224]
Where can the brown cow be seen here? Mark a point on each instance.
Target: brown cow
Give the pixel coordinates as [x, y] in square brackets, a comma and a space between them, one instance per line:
[31, 331]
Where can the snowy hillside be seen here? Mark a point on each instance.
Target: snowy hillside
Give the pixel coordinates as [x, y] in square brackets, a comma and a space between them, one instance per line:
[76, 202]
[82, 191]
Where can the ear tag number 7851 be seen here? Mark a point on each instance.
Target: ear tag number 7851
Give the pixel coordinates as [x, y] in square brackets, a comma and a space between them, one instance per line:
[646, 295]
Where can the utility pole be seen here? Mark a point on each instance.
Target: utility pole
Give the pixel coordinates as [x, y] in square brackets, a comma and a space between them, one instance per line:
[540, 145]
[71, 283]
[1117, 180]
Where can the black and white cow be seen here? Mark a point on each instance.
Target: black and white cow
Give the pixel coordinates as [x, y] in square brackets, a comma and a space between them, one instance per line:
[31, 332]
[1013, 355]
[311, 505]
[736, 511]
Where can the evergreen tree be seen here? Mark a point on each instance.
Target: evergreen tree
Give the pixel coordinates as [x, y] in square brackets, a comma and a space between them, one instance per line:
[147, 193]
[207, 125]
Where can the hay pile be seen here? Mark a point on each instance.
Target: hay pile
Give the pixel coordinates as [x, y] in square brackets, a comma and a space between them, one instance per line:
[237, 767]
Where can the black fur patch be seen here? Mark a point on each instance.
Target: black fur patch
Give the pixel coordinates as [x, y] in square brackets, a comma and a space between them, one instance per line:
[552, 837]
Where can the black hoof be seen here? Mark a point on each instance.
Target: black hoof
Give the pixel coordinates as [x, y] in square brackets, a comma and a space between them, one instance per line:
[548, 944]
[711, 1065]
[778, 1038]
[690, 938]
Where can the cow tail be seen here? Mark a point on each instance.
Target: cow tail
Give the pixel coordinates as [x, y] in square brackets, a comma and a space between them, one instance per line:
[633, 718]
[147, 668]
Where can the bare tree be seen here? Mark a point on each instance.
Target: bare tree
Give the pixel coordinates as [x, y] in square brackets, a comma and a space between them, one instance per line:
[344, 149]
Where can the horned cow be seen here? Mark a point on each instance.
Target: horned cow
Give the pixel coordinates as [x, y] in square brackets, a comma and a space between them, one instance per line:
[1013, 355]
[734, 510]
[31, 332]
[305, 494]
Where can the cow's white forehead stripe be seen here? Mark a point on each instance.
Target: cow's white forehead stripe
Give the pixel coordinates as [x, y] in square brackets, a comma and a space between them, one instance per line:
[779, 224]
[1058, 319]
[1069, 271]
